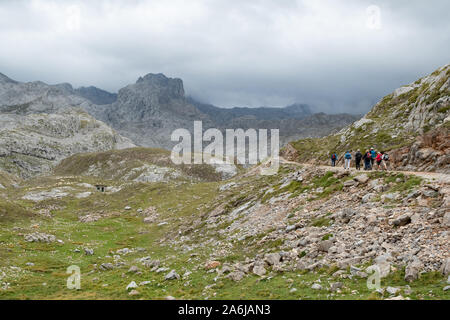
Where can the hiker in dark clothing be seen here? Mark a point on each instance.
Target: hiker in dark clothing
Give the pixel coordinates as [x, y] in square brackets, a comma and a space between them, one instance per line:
[358, 157]
[385, 161]
[334, 158]
[367, 160]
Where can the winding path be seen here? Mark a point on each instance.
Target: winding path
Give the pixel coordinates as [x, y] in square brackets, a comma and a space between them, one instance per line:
[432, 176]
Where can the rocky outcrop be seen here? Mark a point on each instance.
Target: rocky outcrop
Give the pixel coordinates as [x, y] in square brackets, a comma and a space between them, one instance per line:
[33, 144]
[42, 124]
[430, 152]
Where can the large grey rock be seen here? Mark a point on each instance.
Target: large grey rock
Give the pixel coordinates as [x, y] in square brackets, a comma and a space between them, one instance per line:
[383, 262]
[40, 237]
[273, 258]
[413, 269]
[172, 275]
[236, 276]
[403, 220]
[325, 245]
[316, 286]
[368, 197]
[446, 219]
[259, 270]
[362, 178]
[445, 269]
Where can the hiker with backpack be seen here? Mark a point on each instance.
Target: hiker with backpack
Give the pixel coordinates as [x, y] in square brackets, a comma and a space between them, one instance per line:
[367, 160]
[358, 157]
[334, 158]
[385, 160]
[348, 159]
[379, 160]
[373, 155]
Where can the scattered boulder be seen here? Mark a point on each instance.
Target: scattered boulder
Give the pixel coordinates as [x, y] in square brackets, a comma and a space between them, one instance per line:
[106, 266]
[325, 245]
[316, 286]
[384, 265]
[389, 197]
[132, 285]
[368, 197]
[212, 265]
[402, 220]
[236, 276]
[259, 270]
[362, 178]
[392, 290]
[349, 183]
[445, 269]
[133, 269]
[346, 215]
[40, 237]
[413, 269]
[172, 275]
[335, 286]
[89, 218]
[446, 219]
[273, 258]
[134, 293]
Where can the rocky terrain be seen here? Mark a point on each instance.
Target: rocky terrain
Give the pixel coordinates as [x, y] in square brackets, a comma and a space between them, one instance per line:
[162, 231]
[32, 144]
[41, 124]
[306, 233]
[412, 123]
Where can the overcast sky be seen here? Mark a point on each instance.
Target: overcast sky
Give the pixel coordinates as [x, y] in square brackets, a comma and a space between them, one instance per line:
[336, 55]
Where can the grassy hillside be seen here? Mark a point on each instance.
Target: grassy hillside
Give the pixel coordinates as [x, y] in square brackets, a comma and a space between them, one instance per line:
[181, 236]
[130, 164]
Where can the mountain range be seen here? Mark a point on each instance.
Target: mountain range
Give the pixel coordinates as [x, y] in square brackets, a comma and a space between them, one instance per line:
[41, 124]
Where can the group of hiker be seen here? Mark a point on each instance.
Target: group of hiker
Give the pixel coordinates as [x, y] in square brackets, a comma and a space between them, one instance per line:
[370, 158]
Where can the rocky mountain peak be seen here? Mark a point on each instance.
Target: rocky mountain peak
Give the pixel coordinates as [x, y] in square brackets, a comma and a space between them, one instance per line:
[173, 87]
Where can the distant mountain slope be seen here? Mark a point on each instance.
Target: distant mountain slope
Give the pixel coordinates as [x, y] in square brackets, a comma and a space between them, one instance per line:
[42, 124]
[412, 123]
[96, 95]
[152, 108]
[33, 144]
[224, 116]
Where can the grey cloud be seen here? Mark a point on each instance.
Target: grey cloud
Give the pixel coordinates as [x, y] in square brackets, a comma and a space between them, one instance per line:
[230, 53]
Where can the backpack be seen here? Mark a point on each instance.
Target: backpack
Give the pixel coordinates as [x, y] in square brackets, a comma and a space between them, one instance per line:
[386, 157]
[333, 157]
[348, 156]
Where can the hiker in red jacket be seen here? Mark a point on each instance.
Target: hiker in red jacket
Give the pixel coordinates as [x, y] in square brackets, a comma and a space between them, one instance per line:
[379, 160]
